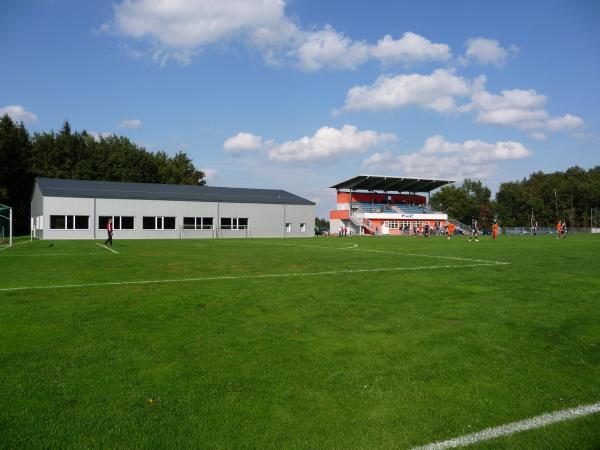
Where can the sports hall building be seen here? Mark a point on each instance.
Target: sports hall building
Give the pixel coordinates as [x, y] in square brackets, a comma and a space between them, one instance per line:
[370, 204]
[78, 209]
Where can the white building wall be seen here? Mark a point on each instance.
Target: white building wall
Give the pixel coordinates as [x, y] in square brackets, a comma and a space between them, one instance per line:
[37, 211]
[264, 220]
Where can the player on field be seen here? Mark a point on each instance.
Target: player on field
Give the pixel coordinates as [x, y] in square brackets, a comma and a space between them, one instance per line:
[558, 229]
[451, 228]
[495, 230]
[109, 231]
[426, 230]
[474, 230]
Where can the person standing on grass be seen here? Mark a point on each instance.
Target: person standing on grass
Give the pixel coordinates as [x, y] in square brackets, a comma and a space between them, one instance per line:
[474, 230]
[495, 230]
[558, 229]
[109, 230]
[451, 227]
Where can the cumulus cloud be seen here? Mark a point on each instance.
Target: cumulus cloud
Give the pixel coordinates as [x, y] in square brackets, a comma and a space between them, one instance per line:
[179, 30]
[486, 51]
[329, 143]
[442, 90]
[443, 159]
[522, 109]
[130, 123]
[328, 48]
[210, 175]
[98, 135]
[437, 91]
[18, 113]
[410, 47]
[243, 142]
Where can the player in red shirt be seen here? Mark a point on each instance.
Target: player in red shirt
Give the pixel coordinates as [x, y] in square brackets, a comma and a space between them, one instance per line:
[109, 230]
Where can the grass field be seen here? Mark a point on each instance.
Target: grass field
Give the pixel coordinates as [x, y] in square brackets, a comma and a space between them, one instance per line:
[310, 343]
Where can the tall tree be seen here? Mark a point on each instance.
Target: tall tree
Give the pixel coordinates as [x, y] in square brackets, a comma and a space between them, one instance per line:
[15, 177]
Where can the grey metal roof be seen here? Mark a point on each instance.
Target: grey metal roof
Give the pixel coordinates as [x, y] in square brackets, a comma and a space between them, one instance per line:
[51, 187]
[390, 184]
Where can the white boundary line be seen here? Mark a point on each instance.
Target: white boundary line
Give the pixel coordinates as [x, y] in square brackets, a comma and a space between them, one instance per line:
[8, 255]
[241, 277]
[355, 247]
[107, 248]
[18, 243]
[514, 427]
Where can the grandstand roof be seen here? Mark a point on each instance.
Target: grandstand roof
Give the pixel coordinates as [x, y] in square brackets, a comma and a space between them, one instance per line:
[151, 191]
[387, 184]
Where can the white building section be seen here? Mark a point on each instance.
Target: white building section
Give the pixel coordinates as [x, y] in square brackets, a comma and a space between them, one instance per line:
[79, 209]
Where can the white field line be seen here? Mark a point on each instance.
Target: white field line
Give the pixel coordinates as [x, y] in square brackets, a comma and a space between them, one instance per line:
[7, 255]
[515, 427]
[107, 248]
[18, 243]
[242, 277]
[303, 245]
[355, 247]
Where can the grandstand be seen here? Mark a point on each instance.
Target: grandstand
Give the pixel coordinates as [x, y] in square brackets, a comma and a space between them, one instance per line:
[385, 205]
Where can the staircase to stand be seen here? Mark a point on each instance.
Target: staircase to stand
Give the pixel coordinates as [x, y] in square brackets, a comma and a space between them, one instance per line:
[364, 223]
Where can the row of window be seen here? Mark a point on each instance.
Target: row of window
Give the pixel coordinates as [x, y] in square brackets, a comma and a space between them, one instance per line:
[288, 227]
[72, 222]
[401, 224]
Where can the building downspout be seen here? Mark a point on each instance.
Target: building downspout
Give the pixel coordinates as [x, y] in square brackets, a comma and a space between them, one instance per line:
[94, 220]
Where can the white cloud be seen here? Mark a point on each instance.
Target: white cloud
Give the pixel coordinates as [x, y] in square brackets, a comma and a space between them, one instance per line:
[519, 108]
[243, 142]
[328, 48]
[523, 109]
[179, 30]
[486, 51]
[18, 113]
[130, 123]
[443, 159]
[99, 135]
[410, 47]
[329, 143]
[437, 91]
[538, 136]
[210, 175]
[566, 122]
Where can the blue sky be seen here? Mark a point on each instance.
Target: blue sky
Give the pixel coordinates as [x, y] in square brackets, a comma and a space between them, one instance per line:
[302, 94]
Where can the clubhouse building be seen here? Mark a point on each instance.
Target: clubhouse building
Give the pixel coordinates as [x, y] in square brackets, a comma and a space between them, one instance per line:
[80, 209]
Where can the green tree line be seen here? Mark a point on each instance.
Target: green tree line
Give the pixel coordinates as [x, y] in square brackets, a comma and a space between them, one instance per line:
[547, 197]
[78, 155]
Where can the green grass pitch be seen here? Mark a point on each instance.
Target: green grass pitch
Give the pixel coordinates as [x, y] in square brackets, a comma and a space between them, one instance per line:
[360, 343]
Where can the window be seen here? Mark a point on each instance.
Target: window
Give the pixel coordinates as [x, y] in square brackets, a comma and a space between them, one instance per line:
[81, 222]
[149, 223]
[189, 223]
[119, 222]
[69, 222]
[288, 227]
[198, 223]
[234, 223]
[127, 222]
[392, 224]
[57, 222]
[169, 223]
[226, 223]
[302, 228]
[158, 223]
